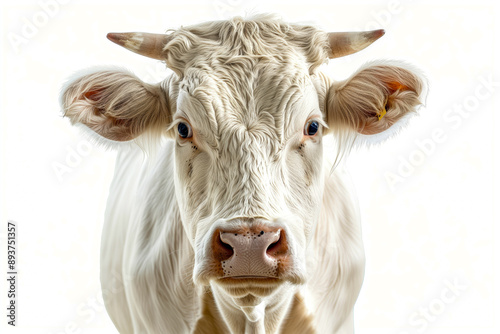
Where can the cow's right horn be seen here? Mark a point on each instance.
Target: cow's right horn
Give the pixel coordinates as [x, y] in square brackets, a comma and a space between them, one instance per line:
[143, 43]
[346, 43]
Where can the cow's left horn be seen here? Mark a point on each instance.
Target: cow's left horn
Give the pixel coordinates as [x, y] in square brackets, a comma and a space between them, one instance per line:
[145, 44]
[346, 43]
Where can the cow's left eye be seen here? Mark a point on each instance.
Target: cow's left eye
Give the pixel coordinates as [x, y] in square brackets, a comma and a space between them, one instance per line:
[184, 130]
[311, 128]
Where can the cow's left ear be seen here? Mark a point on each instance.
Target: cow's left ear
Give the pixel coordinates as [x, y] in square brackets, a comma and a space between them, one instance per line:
[373, 99]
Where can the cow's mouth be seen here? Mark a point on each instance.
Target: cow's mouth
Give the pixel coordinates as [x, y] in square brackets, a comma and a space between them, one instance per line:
[249, 280]
[260, 286]
[251, 277]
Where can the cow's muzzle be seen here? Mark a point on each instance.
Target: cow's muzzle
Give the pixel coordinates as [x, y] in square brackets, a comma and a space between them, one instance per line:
[251, 251]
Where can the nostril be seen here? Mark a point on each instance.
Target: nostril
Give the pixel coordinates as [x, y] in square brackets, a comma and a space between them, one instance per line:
[226, 246]
[277, 248]
[272, 248]
[222, 250]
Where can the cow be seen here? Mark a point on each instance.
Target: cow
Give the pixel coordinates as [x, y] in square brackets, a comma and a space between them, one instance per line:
[223, 215]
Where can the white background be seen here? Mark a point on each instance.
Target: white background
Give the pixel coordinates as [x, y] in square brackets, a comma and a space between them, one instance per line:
[428, 217]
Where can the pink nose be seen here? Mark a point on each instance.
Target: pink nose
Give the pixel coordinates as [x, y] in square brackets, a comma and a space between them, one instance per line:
[256, 252]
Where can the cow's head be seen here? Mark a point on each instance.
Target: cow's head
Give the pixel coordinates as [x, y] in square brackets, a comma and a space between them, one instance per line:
[247, 109]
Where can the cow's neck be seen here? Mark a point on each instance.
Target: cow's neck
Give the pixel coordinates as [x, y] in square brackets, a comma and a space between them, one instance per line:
[221, 314]
[260, 319]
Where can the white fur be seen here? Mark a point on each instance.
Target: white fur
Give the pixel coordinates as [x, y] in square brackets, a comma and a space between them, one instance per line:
[248, 158]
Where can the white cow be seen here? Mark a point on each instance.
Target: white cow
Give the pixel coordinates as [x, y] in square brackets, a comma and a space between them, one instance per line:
[232, 222]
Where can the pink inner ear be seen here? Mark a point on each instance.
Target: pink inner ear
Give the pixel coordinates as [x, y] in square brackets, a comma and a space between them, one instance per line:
[395, 86]
[92, 95]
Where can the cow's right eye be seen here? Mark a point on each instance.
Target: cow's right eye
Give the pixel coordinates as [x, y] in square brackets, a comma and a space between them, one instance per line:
[184, 130]
[311, 128]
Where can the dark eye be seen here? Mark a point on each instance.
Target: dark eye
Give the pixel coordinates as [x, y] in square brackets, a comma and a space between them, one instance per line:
[311, 128]
[184, 130]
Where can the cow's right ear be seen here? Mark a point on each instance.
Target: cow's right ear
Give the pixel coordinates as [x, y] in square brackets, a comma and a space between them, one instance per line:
[376, 98]
[116, 104]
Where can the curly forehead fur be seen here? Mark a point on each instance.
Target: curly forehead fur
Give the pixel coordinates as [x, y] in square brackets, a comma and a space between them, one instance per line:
[246, 74]
[246, 40]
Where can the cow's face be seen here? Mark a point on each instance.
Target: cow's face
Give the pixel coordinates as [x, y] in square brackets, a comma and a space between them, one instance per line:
[248, 168]
[247, 110]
